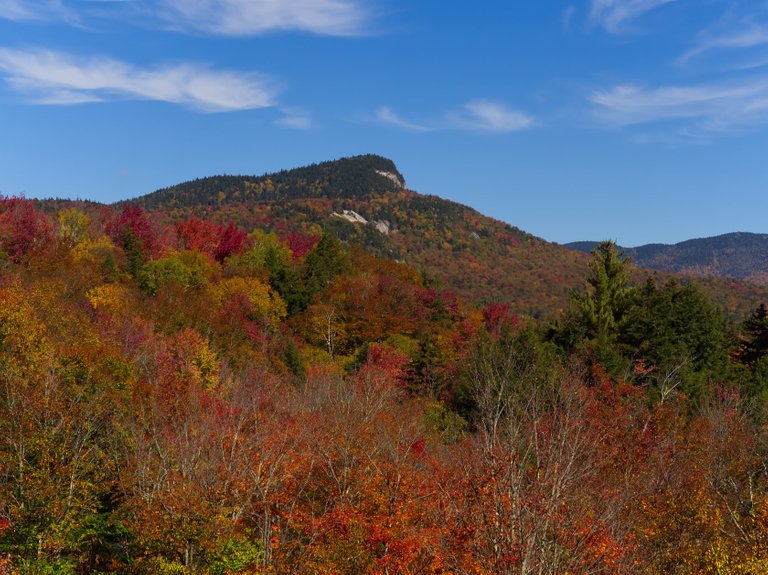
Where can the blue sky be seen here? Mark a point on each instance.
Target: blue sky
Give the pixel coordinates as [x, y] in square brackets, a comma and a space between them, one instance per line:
[634, 120]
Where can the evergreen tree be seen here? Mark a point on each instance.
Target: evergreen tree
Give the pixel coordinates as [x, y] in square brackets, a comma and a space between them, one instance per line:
[598, 311]
[754, 337]
[753, 355]
[426, 372]
[679, 336]
[286, 280]
[326, 261]
[603, 304]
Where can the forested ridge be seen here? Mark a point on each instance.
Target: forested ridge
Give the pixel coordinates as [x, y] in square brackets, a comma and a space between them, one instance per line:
[184, 394]
[737, 255]
[456, 245]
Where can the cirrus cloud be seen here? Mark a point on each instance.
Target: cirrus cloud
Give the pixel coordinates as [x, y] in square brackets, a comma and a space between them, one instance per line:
[235, 18]
[613, 15]
[700, 109]
[492, 117]
[739, 33]
[50, 77]
[254, 17]
[21, 10]
[482, 116]
[295, 118]
[388, 116]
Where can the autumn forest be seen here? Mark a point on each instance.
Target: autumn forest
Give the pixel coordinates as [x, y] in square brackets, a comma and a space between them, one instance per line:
[230, 378]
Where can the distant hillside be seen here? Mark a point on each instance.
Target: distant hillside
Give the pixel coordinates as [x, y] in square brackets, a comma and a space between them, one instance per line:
[738, 255]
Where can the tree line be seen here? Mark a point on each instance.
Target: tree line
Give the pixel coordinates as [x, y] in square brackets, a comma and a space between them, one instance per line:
[190, 398]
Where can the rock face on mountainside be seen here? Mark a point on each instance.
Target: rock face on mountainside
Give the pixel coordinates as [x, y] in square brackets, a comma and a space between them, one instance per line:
[737, 255]
[364, 200]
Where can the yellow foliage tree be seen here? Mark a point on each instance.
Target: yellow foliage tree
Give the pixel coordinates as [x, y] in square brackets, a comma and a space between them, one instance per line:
[267, 304]
[73, 226]
[109, 298]
[25, 347]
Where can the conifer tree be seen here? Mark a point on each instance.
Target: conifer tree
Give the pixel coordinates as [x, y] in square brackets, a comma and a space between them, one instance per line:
[326, 261]
[755, 336]
[601, 306]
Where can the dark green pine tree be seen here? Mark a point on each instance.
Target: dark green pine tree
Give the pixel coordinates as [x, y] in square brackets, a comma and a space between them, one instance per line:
[286, 280]
[599, 310]
[133, 248]
[754, 344]
[325, 262]
[425, 374]
[680, 337]
[753, 354]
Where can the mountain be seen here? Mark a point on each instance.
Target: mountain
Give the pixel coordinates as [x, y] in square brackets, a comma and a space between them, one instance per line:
[364, 200]
[737, 255]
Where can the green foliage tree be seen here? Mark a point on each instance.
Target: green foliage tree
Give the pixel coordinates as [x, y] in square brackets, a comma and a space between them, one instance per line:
[187, 270]
[752, 353]
[426, 372]
[286, 280]
[298, 287]
[265, 255]
[679, 335]
[326, 261]
[603, 305]
[598, 311]
[754, 342]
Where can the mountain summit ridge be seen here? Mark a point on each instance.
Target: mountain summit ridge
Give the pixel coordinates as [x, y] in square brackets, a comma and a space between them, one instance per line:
[350, 177]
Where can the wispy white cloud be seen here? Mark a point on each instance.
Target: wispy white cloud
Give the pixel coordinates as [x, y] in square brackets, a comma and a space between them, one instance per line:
[254, 17]
[20, 10]
[730, 96]
[567, 15]
[237, 18]
[492, 117]
[295, 122]
[704, 108]
[388, 116]
[482, 116]
[15, 10]
[613, 15]
[744, 37]
[295, 118]
[48, 77]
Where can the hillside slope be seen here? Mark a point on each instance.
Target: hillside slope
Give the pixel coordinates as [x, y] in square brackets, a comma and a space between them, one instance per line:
[737, 255]
[364, 200]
